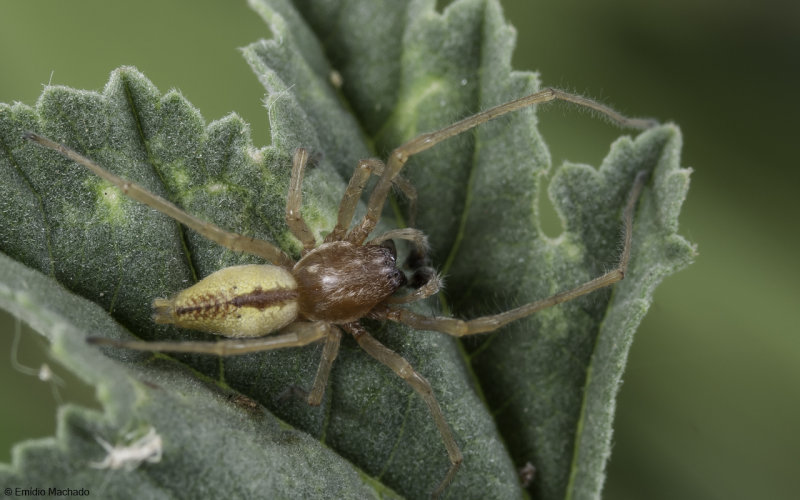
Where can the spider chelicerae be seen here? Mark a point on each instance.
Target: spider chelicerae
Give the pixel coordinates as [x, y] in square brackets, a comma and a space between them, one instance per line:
[342, 280]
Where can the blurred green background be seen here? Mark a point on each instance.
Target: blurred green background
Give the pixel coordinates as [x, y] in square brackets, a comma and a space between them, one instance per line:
[711, 401]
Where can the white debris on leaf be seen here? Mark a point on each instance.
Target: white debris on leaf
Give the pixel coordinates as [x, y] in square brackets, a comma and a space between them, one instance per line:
[145, 449]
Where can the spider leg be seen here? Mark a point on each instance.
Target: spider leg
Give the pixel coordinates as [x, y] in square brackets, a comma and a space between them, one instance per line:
[295, 335]
[459, 328]
[294, 202]
[413, 235]
[400, 156]
[410, 193]
[356, 186]
[347, 207]
[233, 241]
[429, 288]
[329, 353]
[404, 370]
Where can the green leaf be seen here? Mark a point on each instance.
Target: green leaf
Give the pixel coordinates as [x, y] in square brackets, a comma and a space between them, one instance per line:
[206, 430]
[541, 390]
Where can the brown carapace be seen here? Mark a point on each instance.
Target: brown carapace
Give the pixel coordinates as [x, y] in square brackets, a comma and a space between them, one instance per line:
[341, 280]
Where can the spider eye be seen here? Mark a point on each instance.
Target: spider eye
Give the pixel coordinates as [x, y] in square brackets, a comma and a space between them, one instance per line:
[389, 245]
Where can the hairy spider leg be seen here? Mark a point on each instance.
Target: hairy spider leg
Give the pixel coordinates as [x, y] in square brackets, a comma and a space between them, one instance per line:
[459, 328]
[422, 142]
[410, 192]
[294, 202]
[404, 370]
[233, 241]
[295, 335]
[356, 186]
[415, 236]
[347, 207]
[329, 353]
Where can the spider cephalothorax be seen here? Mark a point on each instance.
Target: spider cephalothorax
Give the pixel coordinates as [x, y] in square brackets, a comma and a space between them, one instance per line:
[342, 280]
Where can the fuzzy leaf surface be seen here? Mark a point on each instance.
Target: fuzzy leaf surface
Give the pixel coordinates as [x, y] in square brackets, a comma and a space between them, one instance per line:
[541, 390]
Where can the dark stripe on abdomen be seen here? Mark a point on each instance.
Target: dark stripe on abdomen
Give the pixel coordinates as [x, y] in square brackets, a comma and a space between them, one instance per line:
[262, 299]
[211, 306]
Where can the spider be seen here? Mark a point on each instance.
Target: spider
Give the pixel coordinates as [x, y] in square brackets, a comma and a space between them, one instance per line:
[342, 280]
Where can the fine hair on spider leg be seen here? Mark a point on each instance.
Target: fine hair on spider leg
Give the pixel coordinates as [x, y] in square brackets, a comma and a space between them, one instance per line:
[343, 279]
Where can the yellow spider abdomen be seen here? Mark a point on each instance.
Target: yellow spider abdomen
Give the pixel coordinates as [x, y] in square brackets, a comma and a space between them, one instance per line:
[238, 301]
